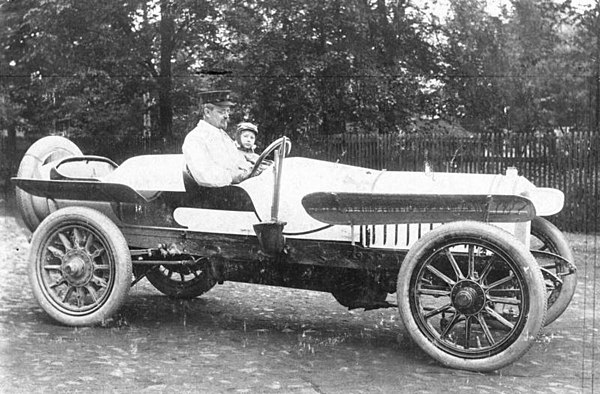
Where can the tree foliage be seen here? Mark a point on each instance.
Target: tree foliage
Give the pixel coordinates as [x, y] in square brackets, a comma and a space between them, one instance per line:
[303, 68]
[521, 71]
[330, 66]
[476, 65]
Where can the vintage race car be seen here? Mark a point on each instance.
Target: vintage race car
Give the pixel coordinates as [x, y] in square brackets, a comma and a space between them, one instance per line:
[476, 270]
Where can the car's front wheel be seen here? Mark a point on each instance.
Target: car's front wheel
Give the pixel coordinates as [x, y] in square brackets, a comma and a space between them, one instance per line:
[79, 266]
[471, 296]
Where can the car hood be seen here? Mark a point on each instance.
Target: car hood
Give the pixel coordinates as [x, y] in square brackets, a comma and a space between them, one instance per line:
[302, 176]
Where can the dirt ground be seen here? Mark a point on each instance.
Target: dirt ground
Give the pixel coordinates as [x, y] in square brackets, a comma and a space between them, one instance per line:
[241, 338]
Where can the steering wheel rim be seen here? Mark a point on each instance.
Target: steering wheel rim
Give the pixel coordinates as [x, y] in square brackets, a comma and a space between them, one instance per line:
[272, 146]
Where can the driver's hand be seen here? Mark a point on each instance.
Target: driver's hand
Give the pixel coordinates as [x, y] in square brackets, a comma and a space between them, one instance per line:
[263, 166]
[243, 173]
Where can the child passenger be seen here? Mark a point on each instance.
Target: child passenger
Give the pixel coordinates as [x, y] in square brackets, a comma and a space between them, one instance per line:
[245, 137]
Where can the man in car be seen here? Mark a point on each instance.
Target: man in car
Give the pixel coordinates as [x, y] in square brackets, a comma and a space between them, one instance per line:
[211, 156]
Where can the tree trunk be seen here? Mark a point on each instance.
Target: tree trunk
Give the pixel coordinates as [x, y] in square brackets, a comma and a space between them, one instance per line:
[165, 80]
[9, 151]
[11, 140]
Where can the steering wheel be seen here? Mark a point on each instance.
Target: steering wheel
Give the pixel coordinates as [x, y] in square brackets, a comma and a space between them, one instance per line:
[274, 145]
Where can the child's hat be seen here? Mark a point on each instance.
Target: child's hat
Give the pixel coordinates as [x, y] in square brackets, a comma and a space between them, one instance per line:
[246, 126]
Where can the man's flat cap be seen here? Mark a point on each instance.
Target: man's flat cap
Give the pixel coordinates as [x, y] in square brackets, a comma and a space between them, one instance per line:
[217, 97]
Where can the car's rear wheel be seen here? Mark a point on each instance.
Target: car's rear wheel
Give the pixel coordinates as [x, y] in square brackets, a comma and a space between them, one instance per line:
[79, 266]
[471, 296]
[560, 287]
[183, 282]
[34, 209]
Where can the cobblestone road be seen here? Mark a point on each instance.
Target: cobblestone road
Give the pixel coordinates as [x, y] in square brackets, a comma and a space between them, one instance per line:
[242, 338]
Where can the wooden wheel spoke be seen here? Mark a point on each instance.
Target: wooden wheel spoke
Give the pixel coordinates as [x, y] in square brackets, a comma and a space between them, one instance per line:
[499, 317]
[502, 300]
[68, 294]
[56, 252]
[58, 282]
[454, 264]
[486, 270]
[467, 331]
[504, 292]
[99, 281]
[501, 281]
[53, 267]
[77, 237]
[471, 262]
[455, 319]
[440, 275]
[486, 329]
[89, 241]
[437, 311]
[65, 241]
[97, 253]
[433, 292]
[92, 292]
[101, 267]
[80, 296]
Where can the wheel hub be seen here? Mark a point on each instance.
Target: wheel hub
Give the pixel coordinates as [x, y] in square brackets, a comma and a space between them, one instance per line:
[77, 268]
[468, 297]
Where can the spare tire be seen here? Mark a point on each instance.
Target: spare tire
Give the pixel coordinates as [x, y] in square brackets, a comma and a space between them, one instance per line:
[34, 209]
